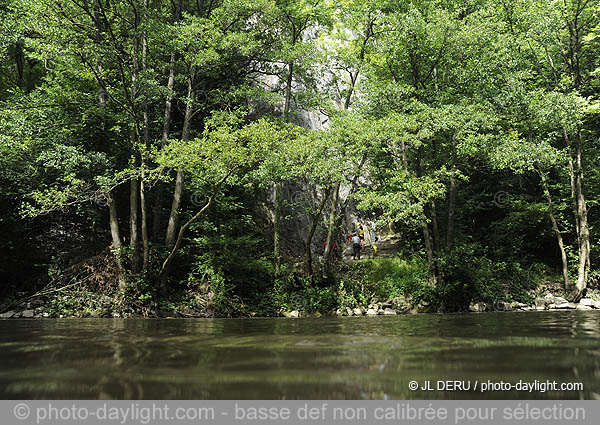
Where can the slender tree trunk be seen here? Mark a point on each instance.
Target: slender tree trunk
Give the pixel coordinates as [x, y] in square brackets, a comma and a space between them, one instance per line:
[279, 185]
[572, 181]
[166, 128]
[451, 197]
[158, 200]
[430, 258]
[112, 202]
[134, 194]
[175, 204]
[143, 205]
[179, 181]
[277, 228]
[559, 239]
[310, 234]
[146, 140]
[434, 225]
[331, 228]
[19, 63]
[451, 209]
[116, 240]
[288, 90]
[429, 246]
[584, 235]
[166, 265]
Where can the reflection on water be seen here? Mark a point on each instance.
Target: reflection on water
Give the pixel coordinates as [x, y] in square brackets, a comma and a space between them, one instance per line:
[337, 358]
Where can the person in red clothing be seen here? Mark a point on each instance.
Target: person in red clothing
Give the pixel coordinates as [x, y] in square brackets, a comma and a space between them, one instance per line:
[333, 249]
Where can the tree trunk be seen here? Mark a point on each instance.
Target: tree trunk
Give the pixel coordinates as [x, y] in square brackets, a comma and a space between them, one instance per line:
[143, 205]
[279, 185]
[19, 63]
[116, 240]
[112, 203]
[173, 217]
[310, 234]
[277, 228]
[134, 194]
[559, 239]
[434, 225]
[584, 235]
[179, 181]
[336, 190]
[331, 228]
[166, 128]
[288, 91]
[146, 140]
[451, 209]
[429, 247]
[573, 192]
[430, 260]
[451, 198]
[164, 271]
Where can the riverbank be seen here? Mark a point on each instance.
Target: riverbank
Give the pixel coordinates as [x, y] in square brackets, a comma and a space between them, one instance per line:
[38, 308]
[370, 287]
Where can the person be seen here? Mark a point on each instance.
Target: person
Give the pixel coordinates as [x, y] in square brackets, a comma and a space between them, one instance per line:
[374, 249]
[361, 233]
[333, 249]
[355, 246]
[334, 252]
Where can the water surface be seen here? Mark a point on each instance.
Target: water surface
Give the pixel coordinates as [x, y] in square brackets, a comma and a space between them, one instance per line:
[320, 358]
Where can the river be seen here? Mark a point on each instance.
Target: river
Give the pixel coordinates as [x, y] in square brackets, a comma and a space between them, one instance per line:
[312, 358]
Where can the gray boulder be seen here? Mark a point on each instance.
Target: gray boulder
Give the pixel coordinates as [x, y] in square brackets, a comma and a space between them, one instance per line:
[477, 307]
[515, 305]
[560, 300]
[401, 304]
[540, 303]
[549, 299]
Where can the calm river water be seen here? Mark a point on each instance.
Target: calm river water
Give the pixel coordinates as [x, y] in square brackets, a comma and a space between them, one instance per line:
[321, 358]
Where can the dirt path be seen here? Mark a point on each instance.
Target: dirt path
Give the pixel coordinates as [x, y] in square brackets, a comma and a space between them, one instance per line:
[388, 247]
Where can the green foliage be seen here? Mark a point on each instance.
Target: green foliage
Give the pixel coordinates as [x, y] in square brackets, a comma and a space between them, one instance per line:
[471, 128]
[471, 274]
[398, 276]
